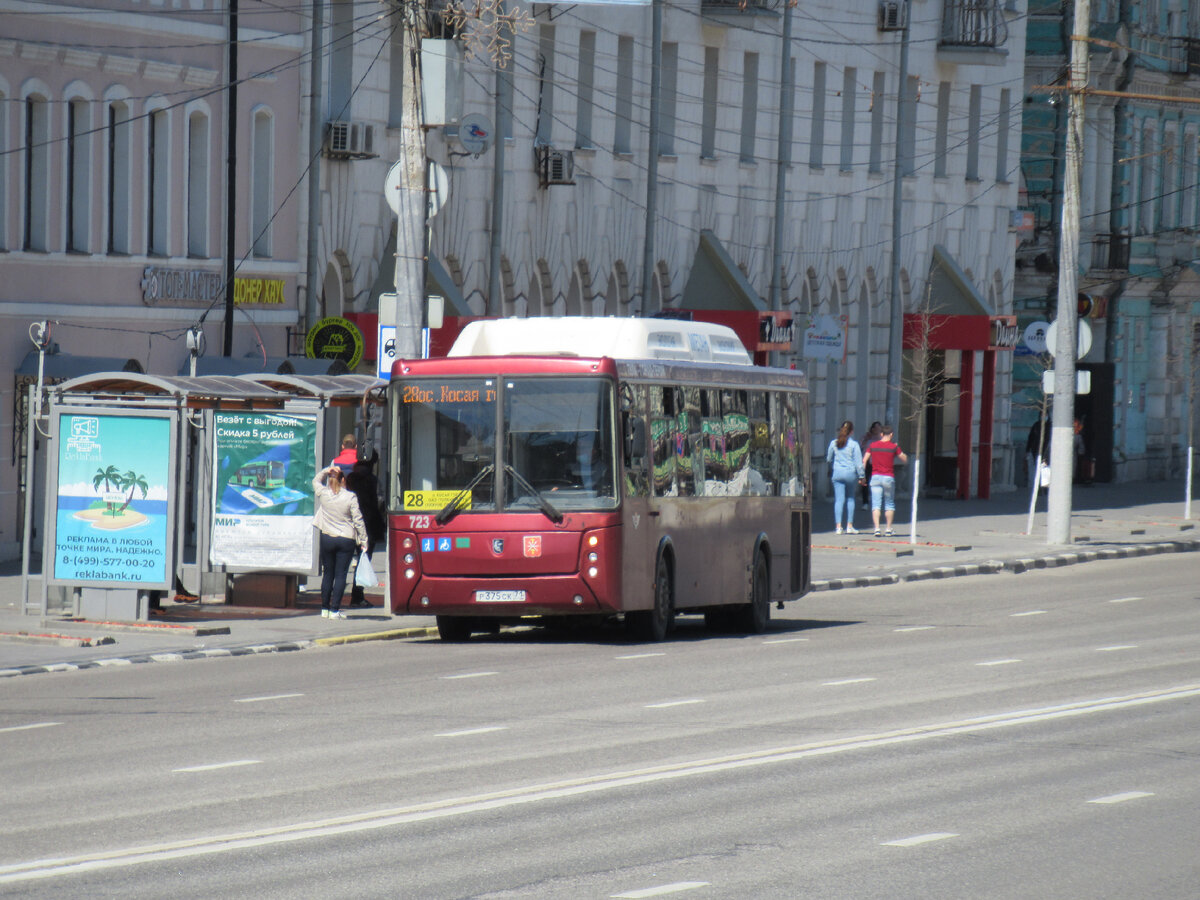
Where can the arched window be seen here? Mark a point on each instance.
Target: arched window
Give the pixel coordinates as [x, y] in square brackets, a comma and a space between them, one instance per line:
[158, 182]
[79, 175]
[3, 165]
[117, 136]
[37, 173]
[197, 185]
[261, 178]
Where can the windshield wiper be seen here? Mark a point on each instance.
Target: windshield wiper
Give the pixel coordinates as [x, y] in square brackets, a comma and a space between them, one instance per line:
[451, 509]
[544, 505]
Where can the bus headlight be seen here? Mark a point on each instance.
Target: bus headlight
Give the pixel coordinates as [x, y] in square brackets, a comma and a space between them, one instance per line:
[409, 559]
[593, 556]
[410, 574]
[593, 572]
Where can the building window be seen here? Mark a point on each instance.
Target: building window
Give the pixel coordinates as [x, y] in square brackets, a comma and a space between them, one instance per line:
[749, 106]
[708, 115]
[849, 98]
[622, 132]
[816, 146]
[118, 178]
[158, 185]
[544, 135]
[1002, 137]
[1146, 180]
[3, 169]
[941, 137]
[975, 105]
[262, 173]
[37, 173]
[1168, 208]
[341, 59]
[667, 108]
[79, 176]
[585, 86]
[197, 185]
[878, 99]
[1187, 167]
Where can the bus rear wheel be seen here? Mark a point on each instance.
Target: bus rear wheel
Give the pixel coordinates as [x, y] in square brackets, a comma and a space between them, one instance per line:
[655, 624]
[755, 615]
[454, 628]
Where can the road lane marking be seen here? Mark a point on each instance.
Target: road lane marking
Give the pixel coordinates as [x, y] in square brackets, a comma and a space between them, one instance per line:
[1116, 647]
[30, 727]
[785, 640]
[266, 698]
[998, 662]
[467, 731]
[1125, 600]
[919, 839]
[225, 765]
[846, 681]
[661, 891]
[906, 628]
[670, 703]
[468, 675]
[639, 655]
[354, 823]
[1032, 612]
[1121, 798]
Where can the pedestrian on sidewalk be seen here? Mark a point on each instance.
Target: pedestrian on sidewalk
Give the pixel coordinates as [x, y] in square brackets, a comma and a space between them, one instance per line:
[339, 522]
[872, 435]
[845, 470]
[883, 456]
[365, 485]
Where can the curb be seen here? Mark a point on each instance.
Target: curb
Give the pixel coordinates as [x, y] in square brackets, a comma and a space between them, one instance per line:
[62, 640]
[1015, 566]
[165, 656]
[391, 635]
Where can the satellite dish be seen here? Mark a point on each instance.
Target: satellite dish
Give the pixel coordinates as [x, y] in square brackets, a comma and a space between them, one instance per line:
[392, 186]
[475, 133]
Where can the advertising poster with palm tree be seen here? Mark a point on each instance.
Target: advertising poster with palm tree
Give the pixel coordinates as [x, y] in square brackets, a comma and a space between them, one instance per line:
[263, 468]
[112, 516]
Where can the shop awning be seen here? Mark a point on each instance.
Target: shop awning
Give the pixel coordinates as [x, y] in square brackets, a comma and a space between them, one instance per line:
[951, 292]
[716, 282]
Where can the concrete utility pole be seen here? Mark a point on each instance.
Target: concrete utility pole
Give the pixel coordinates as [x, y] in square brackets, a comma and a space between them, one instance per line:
[412, 215]
[1062, 420]
[495, 295]
[784, 156]
[896, 323]
[316, 131]
[656, 12]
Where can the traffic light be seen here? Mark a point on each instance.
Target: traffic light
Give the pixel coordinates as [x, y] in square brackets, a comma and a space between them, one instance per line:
[1084, 303]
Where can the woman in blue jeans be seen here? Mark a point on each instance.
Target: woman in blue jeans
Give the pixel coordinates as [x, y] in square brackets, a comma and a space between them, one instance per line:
[339, 523]
[846, 469]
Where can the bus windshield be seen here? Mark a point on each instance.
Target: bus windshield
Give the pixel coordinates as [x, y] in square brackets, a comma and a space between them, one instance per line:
[556, 436]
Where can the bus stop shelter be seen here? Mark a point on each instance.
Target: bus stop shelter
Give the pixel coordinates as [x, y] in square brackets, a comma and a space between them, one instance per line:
[154, 483]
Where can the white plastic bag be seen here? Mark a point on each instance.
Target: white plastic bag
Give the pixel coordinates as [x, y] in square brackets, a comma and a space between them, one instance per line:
[1044, 475]
[364, 574]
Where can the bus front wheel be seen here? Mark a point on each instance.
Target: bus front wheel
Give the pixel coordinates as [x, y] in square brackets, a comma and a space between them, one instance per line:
[655, 624]
[454, 628]
[754, 616]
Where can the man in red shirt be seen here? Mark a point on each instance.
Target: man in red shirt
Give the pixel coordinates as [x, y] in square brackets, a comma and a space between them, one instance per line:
[883, 456]
[349, 455]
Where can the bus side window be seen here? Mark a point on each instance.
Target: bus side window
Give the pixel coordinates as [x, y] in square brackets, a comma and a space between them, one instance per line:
[662, 440]
[736, 427]
[712, 426]
[762, 476]
[790, 468]
[634, 440]
[689, 467]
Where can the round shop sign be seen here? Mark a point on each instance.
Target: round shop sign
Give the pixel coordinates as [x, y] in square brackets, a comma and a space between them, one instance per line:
[335, 338]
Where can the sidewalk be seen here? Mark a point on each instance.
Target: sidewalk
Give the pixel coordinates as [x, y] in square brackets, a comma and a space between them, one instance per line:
[954, 538]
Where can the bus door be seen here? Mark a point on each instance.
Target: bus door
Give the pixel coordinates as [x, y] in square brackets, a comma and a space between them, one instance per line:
[640, 446]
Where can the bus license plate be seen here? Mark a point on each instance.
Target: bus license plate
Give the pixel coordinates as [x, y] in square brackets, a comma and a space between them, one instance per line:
[499, 596]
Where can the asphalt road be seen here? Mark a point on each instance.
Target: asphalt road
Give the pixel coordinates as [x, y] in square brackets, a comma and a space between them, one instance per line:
[1001, 736]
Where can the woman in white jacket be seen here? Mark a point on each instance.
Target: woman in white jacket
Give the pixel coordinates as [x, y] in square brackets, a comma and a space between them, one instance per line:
[340, 524]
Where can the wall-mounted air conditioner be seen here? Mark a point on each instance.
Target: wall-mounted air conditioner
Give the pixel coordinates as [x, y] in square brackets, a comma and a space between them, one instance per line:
[554, 166]
[349, 140]
[893, 15]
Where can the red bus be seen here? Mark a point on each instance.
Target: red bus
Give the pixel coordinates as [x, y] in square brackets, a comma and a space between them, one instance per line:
[646, 471]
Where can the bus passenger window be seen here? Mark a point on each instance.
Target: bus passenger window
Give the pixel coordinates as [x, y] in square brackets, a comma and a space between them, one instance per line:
[762, 476]
[689, 450]
[736, 427]
[636, 440]
[716, 467]
[662, 440]
[790, 484]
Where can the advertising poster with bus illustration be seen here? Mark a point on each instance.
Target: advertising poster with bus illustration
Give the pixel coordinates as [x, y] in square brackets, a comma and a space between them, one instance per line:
[263, 467]
[112, 512]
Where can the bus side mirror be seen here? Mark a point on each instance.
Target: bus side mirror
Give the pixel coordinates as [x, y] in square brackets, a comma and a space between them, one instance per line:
[635, 438]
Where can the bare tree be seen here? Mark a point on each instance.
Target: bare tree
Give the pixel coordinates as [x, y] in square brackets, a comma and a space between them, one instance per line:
[1039, 365]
